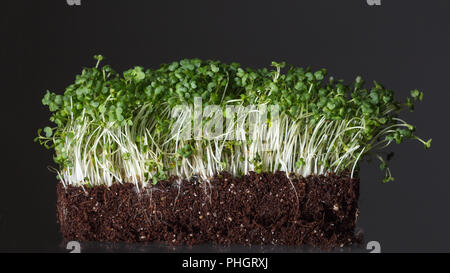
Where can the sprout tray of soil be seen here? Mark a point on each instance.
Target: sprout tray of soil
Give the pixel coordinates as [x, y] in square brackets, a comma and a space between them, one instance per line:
[202, 151]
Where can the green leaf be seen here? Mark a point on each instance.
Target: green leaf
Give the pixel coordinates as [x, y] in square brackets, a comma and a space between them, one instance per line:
[331, 105]
[47, 98]
[319, 75]
[388, 179]
[428, 144]
[173, 66]
[48, 132]
[374, 97]
[417, 95]
[214, 68]
[98, 57]
[300, 163]
[155, 180]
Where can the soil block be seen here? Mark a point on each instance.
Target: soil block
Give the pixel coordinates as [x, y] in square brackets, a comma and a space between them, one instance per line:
[255, 209]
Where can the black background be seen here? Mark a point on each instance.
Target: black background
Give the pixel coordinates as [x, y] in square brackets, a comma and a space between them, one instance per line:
[403, 44]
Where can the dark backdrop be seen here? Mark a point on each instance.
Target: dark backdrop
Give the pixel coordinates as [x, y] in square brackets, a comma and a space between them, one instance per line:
[403, 44]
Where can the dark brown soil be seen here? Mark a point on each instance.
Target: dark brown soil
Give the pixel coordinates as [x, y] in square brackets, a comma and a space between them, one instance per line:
[255, 209]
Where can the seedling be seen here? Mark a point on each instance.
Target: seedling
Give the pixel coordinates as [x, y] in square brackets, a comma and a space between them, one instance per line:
[118, 128]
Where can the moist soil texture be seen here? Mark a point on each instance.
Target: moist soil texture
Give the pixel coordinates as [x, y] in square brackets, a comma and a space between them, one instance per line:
[254, 209]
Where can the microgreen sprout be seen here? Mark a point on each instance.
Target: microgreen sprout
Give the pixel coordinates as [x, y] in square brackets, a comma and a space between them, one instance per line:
[118, 128]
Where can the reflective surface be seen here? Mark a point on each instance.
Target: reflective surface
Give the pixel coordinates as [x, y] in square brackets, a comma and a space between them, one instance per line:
[96, 247]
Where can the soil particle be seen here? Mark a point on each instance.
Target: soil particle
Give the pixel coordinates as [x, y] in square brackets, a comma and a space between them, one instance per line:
[255, 209]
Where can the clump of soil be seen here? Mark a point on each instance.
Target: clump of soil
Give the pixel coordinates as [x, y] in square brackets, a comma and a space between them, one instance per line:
[255, 209]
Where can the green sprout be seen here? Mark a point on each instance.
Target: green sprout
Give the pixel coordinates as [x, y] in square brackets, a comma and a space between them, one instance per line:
[118, 128]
